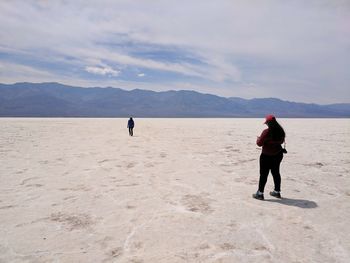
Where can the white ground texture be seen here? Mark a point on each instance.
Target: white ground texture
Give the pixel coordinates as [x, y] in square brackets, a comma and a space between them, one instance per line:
[180, 190]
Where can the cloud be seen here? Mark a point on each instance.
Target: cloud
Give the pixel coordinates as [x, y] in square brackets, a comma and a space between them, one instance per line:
[141, 75]
[9, 71]
[284, 48]
[102, 71]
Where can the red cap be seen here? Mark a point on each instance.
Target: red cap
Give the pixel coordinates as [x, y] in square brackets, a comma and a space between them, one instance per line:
[269, 118]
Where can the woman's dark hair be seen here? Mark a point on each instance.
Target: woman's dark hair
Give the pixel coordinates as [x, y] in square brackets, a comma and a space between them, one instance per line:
[275, 130]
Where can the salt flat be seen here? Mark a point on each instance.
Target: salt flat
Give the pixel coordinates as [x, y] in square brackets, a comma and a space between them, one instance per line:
[82, 190]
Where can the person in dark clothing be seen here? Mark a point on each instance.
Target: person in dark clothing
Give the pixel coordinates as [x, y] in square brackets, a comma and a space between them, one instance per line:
[131, 125]
[271, 156]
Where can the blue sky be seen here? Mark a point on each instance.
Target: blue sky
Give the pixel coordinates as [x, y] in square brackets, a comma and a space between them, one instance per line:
[293, 50]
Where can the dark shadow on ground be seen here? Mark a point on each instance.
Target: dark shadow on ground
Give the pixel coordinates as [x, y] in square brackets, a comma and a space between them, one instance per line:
[294, 202]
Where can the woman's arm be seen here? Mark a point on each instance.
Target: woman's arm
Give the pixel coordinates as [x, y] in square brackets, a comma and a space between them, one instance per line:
[261, 139]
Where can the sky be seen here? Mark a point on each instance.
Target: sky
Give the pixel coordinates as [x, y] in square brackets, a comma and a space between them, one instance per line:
[292, 50]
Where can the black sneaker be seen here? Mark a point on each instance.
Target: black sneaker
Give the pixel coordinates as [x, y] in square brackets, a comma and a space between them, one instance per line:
[258, 196]
[275, 194]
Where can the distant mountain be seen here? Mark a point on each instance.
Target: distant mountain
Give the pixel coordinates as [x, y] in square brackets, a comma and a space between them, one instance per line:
[57, 100]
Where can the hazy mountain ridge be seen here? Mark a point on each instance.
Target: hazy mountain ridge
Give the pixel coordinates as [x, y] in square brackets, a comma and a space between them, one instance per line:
[57, 100]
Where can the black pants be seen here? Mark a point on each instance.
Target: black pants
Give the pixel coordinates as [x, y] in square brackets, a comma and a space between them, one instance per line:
[131, 133]
[268, 163]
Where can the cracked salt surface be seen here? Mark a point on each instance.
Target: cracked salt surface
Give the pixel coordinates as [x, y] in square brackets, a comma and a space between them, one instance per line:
[82, 190]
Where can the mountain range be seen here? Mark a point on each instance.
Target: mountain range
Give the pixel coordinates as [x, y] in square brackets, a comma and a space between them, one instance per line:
[58, 100]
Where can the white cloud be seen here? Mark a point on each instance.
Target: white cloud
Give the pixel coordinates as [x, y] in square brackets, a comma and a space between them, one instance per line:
[102, 71]
[267, 42]
[21, 73]
[141, 75]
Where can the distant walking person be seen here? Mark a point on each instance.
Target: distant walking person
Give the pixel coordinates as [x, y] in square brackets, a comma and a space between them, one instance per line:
[271, 156]
[131, 125]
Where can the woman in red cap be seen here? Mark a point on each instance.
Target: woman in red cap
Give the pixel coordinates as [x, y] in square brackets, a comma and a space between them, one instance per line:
[271, 156]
